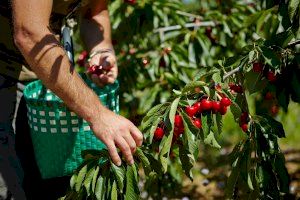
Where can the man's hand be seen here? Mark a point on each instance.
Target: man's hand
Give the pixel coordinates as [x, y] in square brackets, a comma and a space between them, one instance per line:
[115, 130]
[108, 70]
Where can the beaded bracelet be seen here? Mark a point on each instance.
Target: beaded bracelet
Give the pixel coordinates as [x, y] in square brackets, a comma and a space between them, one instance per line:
[108, 50]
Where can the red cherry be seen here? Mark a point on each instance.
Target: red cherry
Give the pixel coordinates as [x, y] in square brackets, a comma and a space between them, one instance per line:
[206, 104]
[216, 106]
[178, 122]
[236, 88]
[225, 102]
[92, 69]
[197, 122]
[132, 51]
[145, 61]
[244, 117]
[130, 1]
[218, 87]
[257, 67]
[159, 133]
[178, 131]
[239, 89]
[232, 86]
[271, 76]
[81, 58]
[268, 96]
[244, 127]
[197, 105]
[274, 109]
[191, 110]
[223, 110]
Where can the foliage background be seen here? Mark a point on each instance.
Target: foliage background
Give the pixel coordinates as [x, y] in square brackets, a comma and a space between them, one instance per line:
[148, 74]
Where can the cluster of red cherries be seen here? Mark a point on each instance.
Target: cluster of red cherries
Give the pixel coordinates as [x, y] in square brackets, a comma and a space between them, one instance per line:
[259, 68]
[204, 105]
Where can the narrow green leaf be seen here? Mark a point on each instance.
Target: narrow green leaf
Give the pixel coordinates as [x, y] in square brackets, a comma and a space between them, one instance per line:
[80, 178]
[100, 188]
[132, 190]
[88, 180]
[270, 57]
[119, 173]
[167, 141]
[249, 181]
[211, 140]
[192, 55]
[187, 161]
[114, 191]
[144, 160]
[293, 6]
[235, 110]
[205, 125]
[190, 87]
[94, 180]
[73, 180]
[219, 122]
[277, 127]
[252, 56]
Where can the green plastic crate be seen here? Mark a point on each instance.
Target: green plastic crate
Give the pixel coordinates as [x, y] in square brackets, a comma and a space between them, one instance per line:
[59, 135]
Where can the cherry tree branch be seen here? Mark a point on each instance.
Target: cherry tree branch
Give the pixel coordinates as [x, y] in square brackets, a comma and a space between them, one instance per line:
[294, 43]
[187, 25]
[230, 73]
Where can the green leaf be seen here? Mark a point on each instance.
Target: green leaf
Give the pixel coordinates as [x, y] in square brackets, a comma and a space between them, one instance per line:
[249, 181]
[132, 190]
[154, 110]
[119, 173]
[254, 82]
[282, 173]
[216, 77]
[281, 39]
[252, 56]
[153, 128]
[94, 180]
[293, 6]
[144, 160]
[277, 127]
[232, 61]
[252, 19]
[189, 123]
[270, 57]
[190, 87]
[219, 122]
[114, 191]
[205, 125]
[80, 178]
[192, 55]
[100, 188]
[73, 181]
[211, 140]
[88, 180]
[235, 110]
[187, 161]
[167, 141]
[207, 90]
[232, 180]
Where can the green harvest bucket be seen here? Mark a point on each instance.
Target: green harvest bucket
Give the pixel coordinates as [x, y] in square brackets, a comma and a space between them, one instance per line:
[58, 134]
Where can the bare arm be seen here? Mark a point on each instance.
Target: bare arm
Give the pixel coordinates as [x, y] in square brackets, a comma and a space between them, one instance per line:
[48, 60]
[95, 32]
